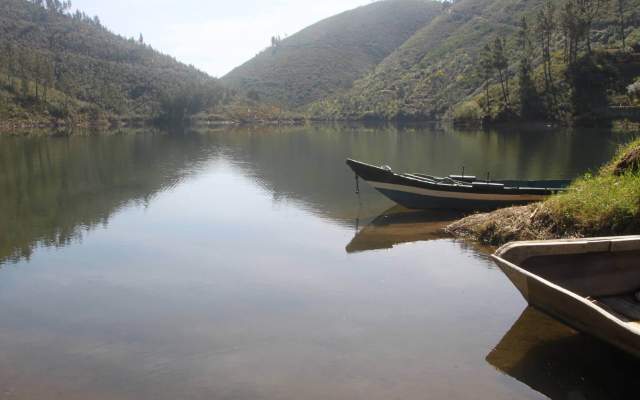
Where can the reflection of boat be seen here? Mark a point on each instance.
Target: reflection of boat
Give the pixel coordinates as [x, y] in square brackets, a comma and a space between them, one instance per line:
[589, 284]
[398, 225]
[554, 360]
[418, 191]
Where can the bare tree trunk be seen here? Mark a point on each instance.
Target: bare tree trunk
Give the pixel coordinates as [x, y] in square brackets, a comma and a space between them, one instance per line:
[622, 27]
[487, 100]
[504, 91]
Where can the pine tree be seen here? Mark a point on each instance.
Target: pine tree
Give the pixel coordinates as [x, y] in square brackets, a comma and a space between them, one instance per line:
[568, 23]
[544, 28]
[524, 39]
[487, 68]
[620, 7]
[587, 11]
[501, 64]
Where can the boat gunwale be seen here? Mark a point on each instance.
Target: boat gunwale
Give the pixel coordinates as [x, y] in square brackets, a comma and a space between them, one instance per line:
[465, 187]
[503, 262]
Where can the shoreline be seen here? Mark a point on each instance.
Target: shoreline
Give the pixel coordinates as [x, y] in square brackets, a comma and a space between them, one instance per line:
[604, 204]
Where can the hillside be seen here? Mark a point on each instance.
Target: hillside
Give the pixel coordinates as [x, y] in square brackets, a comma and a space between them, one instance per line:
[440, 65]
[329, 56]
[58, 66]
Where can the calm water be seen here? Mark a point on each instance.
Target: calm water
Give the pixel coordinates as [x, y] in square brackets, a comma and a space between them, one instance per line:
[239, 264]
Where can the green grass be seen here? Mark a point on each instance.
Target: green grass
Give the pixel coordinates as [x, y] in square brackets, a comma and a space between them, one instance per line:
[601, 204]
[604, 203]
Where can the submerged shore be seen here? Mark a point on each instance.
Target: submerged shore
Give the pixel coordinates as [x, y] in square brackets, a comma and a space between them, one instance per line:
[606, 203]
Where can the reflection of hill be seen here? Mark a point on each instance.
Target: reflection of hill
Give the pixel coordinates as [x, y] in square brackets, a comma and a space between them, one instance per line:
[53, 189]
[306, 164]
[562, 364]
[398, 225]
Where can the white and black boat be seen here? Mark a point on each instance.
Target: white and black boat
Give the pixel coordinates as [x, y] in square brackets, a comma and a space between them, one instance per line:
[456, 192]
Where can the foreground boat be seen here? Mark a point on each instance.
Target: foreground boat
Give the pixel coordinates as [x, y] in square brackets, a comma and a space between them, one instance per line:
[419, 191]
[592, 285]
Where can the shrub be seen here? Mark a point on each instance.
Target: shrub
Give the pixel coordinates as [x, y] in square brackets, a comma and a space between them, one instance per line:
[467, 113]
[634, 89]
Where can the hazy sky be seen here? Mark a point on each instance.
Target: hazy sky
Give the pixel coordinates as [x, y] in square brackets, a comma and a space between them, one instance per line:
[213, 35]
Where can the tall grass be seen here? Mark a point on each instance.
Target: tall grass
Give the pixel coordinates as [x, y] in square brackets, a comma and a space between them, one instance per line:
[607, 203]
[604, 203]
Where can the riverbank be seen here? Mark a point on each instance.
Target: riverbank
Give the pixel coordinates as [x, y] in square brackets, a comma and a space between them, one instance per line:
[607, 203]
[54, 128]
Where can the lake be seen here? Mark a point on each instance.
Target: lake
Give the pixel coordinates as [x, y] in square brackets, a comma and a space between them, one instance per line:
[238, 263]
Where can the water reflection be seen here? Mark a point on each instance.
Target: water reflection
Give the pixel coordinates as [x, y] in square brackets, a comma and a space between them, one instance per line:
[560, 363]
[398, 225]
[216, 268]
[51, 190]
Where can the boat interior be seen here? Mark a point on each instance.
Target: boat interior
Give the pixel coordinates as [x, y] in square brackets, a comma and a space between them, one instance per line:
[611, 280]
[470, 180]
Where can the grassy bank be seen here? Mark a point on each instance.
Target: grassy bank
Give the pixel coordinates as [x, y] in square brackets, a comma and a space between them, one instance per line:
[607, 203]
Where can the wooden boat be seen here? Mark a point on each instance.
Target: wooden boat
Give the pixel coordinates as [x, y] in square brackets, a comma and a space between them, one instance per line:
[457, 192]
[592, 285]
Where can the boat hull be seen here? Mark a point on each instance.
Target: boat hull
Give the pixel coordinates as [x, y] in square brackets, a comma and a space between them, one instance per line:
[581, 313]
[425, 199]
[420, 195]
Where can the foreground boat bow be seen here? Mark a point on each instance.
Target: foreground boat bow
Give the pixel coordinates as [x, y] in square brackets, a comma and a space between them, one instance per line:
[591, 285]
[420, 191]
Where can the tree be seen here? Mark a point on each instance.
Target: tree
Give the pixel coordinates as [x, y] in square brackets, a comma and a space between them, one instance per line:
[141, 39]
[545, 27]
[47, 78]
[23, 65]
[590, 77]
[487, 68]
[524, 39]
[501, 64]
[530, 103]
[587, 11]
[568, 22]
[621, 6]
[8, 59]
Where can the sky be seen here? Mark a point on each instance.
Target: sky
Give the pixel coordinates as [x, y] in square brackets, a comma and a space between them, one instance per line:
[213, 35]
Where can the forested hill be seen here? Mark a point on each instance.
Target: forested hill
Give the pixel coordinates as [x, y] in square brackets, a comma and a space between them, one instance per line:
[441, 65]
[329, 56]
[58, 65]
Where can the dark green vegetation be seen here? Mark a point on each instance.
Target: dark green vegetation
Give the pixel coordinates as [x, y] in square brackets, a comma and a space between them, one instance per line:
[474, 61]
[329, 56]
[478, 49]
[61, 188]
[54, 190]
[70, 69]
[595, 205]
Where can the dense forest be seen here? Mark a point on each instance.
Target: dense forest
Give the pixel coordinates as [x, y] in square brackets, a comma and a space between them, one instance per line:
[480, 57]
[472, 61]
[68, 68]
[330, 55]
